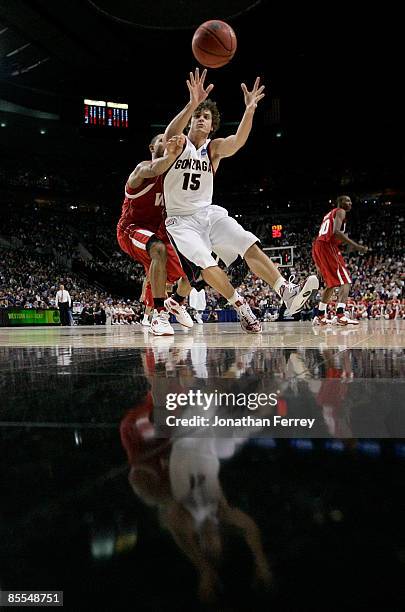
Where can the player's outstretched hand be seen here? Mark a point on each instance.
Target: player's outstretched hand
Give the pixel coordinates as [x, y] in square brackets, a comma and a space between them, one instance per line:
[174, 146]
[363, 249]
[197, 89]
[252, 97]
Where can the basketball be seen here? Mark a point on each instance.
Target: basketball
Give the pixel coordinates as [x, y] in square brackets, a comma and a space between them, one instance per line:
[214, 43]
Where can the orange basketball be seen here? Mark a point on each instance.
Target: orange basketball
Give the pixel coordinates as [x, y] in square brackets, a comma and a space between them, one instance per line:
[214, 43]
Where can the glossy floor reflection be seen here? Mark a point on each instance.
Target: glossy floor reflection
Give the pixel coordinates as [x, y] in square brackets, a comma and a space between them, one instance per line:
[104, 500]
[369, 334]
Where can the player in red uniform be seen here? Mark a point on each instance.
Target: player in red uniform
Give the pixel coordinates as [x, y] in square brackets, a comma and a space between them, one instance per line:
[142, 235]
[330, 263]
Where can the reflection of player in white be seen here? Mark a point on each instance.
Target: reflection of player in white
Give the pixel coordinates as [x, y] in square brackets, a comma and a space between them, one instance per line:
[201, 519]
[181, 476]
[196, 226]
[198, 302]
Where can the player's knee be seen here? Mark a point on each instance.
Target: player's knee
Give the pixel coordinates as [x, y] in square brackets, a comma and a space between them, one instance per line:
[253, 251]
[158, 251]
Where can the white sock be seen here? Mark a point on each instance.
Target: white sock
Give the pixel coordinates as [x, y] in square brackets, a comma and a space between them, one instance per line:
[235, 298]
[322, 306]
[278, 284]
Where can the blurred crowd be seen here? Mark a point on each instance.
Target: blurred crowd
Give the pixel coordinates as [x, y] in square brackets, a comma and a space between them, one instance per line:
[40, 248]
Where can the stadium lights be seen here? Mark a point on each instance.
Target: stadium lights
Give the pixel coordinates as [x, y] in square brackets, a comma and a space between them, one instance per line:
[95, 102]
[3, 124]
[117, 105]
[42, 132]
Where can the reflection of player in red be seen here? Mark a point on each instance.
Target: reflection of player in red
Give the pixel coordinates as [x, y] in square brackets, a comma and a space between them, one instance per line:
[332, 396]
[141, 233]
[330, 263]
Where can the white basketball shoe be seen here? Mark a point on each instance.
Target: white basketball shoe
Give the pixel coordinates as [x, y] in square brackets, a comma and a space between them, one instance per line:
[294, 296]
[160, 325]
[179, 312]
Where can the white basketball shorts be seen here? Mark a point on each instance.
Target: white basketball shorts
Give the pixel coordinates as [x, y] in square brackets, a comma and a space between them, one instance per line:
[209, 230]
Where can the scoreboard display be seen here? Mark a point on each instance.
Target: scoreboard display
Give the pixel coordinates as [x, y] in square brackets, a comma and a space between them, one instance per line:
[276, 231]
[100, 113]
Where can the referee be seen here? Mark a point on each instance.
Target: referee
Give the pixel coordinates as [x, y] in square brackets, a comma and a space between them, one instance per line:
[63, 302]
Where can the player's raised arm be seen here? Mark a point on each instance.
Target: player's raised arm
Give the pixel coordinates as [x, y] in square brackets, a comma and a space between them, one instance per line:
[225, 147]
[198, 93]
[149, 169]
[339, 218]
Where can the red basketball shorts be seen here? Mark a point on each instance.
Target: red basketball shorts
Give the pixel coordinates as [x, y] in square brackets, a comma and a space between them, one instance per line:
[330, 264]
[133, 241]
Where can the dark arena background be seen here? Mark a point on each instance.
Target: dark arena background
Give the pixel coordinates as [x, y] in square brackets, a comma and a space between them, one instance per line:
[114, 492]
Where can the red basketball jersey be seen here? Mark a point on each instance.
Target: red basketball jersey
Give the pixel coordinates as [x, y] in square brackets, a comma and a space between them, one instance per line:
[326, 230]
[143, 206]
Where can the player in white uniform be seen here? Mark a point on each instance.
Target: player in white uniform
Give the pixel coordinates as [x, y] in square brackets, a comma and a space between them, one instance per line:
[196, 226]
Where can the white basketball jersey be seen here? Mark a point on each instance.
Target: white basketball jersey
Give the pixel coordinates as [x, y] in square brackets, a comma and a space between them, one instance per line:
[188, 184]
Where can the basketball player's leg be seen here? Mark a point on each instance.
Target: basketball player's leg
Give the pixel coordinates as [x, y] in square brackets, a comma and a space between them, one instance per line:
[144, 246]
[342, 318]
[343, 293]
[261, 265]
[175, 272]
[146, 314]
[323, 257]
[147, 249]
[148, 303]
[321, 316]
[175, 303]
[157, 269]
[294, 296]
[183, 287]
[161, 269]
[327, 294]
[146, 299]
[218, 280]
[230, 240]
[332, 268]
[155, 265]
[190, 240]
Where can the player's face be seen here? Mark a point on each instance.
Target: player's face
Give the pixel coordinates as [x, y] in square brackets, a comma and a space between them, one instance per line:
[158, 147]
[202, 122]
[346, 204]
